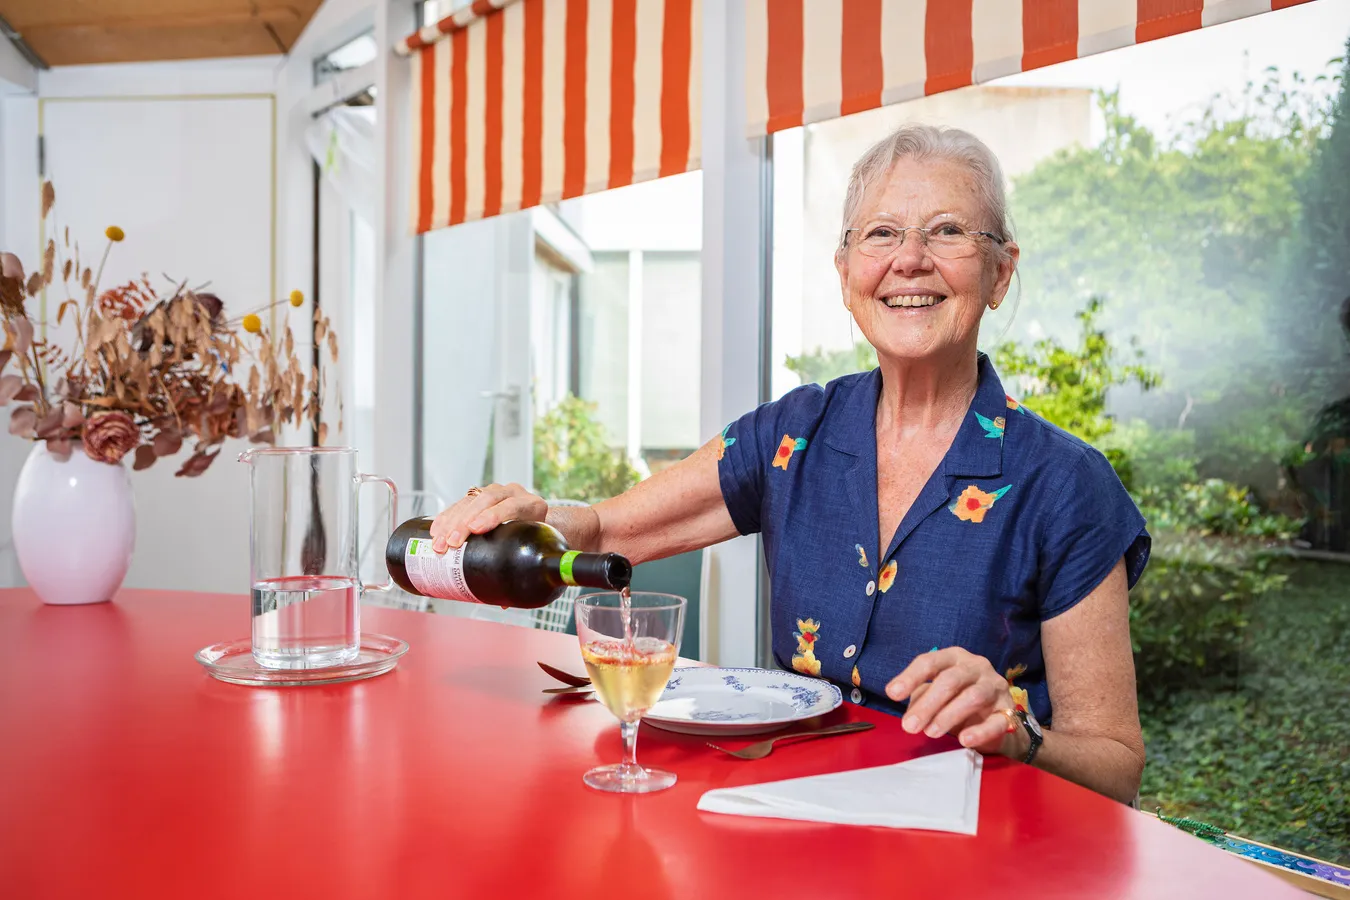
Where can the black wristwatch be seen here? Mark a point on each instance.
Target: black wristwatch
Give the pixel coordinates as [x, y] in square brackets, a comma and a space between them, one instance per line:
[1033, 731]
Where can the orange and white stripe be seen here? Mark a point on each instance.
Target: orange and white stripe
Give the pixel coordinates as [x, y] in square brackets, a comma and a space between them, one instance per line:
[522, 102]
[812, 60]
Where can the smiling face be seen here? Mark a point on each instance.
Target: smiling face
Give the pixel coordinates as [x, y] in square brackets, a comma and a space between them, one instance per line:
[909, 304]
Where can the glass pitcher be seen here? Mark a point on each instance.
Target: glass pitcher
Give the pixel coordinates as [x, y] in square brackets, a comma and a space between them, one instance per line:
[304, 559]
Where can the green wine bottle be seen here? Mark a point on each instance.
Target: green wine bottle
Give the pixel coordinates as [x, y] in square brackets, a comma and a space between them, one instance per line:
[518, 564]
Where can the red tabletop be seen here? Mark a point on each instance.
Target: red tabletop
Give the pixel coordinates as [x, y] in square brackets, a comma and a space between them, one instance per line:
[127, 771]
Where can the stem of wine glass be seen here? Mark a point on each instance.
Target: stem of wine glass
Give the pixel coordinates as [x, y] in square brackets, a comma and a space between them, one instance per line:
[630, 733]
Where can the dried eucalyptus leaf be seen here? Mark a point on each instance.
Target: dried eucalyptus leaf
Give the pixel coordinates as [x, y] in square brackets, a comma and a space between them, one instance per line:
[10, 385]
[27, 394]
[167, 443]
[49, 426]
[23, 335]
[22, 421]
[11, 266]
[59, 448]
[145, 458]
[196, 464]
[12, 295]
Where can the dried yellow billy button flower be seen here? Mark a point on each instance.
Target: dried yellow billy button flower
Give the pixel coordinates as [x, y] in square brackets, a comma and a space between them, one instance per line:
[297, 298]
[252, 324]
[114, 233]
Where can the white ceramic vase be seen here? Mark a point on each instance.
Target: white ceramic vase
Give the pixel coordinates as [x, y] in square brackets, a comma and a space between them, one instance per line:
[74, 526]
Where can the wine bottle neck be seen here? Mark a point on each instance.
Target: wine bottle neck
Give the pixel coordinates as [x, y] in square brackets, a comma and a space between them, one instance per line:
[594, 570]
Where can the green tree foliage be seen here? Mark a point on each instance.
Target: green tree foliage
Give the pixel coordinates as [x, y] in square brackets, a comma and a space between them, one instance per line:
[573, 459]
[1068, 384]
[1188, 240]
[822, 366]
[1317, 273]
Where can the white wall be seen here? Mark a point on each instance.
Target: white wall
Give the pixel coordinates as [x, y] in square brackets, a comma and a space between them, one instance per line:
[16, 75]
[18, 234]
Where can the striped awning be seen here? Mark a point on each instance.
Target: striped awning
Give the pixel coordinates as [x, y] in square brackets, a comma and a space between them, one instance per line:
[811, 60]
[523, 102]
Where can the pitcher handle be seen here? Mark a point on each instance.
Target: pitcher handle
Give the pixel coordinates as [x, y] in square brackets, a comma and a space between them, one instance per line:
[388, 584]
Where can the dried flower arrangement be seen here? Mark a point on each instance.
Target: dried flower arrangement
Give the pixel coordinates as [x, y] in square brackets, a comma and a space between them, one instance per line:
[147, 371]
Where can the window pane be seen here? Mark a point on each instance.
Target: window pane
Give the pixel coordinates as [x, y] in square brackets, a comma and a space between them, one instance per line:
[351, 55]
[671, 290]
[590, 308]
[604, 343]
[1181, 209]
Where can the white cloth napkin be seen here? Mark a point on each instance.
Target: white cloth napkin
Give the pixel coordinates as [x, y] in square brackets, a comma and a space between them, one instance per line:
[937, 793]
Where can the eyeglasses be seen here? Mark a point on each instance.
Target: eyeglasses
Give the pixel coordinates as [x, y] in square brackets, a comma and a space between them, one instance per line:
[946, 240]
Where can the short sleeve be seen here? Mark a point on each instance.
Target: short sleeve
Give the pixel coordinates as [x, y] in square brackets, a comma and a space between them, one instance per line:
[748, 446]
[740, 468]
[1092, 524]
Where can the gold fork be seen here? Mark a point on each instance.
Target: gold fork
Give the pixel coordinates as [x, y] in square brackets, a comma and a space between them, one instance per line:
[764, 748]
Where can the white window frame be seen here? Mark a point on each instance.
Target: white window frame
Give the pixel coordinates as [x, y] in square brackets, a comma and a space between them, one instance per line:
[736, 247]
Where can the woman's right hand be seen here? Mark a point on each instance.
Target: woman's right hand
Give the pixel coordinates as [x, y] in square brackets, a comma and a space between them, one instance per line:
[483, 511]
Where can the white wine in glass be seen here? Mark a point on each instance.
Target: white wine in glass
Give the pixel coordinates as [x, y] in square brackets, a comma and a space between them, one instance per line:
[629, 644]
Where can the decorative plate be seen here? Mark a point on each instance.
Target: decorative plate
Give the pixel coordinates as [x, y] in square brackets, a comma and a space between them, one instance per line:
[706, 700]
[233, 661]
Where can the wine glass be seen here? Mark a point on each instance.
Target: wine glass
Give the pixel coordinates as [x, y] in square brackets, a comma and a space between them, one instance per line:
[629, 649]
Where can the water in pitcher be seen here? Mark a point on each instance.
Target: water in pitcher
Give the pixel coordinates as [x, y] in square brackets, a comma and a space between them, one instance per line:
[306, 621]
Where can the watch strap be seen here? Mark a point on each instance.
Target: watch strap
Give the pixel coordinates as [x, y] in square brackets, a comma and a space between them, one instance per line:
[1033, 734]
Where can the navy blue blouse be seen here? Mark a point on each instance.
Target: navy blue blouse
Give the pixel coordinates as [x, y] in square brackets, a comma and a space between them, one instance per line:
[1020, 522]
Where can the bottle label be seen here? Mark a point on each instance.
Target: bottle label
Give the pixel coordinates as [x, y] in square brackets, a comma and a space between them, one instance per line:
[565, 567]
[434, 575]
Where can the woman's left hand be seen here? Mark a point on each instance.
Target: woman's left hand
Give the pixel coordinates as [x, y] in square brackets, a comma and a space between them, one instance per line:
[953, 691]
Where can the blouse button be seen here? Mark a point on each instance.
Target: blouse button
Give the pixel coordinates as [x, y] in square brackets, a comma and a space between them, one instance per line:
[849, 651]
[871, 588]
[855, 695]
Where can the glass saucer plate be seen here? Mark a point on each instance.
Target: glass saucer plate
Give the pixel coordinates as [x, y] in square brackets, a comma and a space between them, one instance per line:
[232, 661]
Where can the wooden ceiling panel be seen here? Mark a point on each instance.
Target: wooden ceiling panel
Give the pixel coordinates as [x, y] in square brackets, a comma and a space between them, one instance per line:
[76, 32]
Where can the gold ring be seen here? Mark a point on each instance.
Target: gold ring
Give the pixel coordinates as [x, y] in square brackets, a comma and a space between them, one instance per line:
[1011, 715]
[474, 492]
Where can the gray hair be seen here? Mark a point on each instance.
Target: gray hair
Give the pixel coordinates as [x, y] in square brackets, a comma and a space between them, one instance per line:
[925, 142]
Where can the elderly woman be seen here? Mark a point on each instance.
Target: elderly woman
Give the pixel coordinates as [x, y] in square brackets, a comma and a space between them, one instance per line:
[934, 547]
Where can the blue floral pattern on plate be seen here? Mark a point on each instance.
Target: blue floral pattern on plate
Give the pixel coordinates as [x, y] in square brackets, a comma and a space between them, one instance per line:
[802, 697]
[726, 701]
[719, 715]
